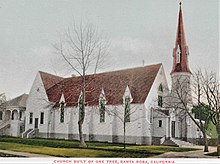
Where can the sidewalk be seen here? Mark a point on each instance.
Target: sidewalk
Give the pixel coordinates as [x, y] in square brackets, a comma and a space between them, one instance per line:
[190, 154]
[25, 154]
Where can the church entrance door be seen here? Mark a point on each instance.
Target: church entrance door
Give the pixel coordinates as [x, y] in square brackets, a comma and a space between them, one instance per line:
[36, 123]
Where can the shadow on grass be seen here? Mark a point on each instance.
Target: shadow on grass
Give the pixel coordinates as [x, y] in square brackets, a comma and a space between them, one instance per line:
[214, 154]
[9, 155]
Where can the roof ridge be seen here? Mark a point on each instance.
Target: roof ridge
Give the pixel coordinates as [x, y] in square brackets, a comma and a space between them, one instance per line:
[101, 73]
[125, 69]
[50, 74]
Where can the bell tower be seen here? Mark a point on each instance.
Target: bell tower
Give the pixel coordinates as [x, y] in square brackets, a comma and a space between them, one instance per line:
[180, 75]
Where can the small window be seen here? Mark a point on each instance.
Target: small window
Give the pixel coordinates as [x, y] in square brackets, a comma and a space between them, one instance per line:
[31, 118]
[1, 115]
[160, 123]
[178, 54]
[62, 112]
[102, 111]
[127, 109]
[20, 115]
[160, 88]
[151, 115]
[160, 101]
[13, 115]
[42, 118]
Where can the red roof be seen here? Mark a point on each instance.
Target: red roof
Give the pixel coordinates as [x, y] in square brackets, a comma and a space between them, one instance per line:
[49, 80]
[114, 83]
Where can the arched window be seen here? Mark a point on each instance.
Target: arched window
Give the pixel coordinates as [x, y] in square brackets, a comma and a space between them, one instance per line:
[127, 109]
[62, 112]
[102, 110]
[160, 88]
[160, 98]
[178, 52]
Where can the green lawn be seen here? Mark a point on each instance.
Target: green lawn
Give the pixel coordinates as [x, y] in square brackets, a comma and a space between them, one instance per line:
[211, 130]
[67, 148]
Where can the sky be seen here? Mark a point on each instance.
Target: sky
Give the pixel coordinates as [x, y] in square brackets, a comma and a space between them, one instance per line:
[137, 30]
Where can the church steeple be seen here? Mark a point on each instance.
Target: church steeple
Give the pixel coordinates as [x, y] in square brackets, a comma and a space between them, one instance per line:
[180, 52]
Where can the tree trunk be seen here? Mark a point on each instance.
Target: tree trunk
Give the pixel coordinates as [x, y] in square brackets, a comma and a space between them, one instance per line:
[124, 134]
[81, 138]
[205, 141]
[218, 132]
[82, 114]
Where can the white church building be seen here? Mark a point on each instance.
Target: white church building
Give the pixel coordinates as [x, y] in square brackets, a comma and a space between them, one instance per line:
[52, 109]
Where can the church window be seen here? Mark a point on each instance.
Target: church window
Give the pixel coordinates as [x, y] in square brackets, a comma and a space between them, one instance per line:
[161, 88]
[151, 115]
[102, 110]
[160, 98]
[160, 123]
[178, 54]
[1, 114]
[127, 109]
[31, 118]
[13, 115]
[42, 118]
[160, 101]
[62, 112]
[20, 115]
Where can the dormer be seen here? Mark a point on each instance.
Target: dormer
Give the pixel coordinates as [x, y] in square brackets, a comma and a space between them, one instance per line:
[127, 96]
[62, 99]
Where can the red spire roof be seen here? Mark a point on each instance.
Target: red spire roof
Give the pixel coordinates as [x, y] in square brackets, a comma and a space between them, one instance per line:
[180, 52]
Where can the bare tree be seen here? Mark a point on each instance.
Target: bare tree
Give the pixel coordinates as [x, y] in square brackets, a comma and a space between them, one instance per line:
[124, 116]
[183, 97]
[2, 99]
[212, 93]
[83, 49]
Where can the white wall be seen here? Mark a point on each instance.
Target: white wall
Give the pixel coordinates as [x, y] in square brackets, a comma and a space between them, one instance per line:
[163, 130]
[151, 101]
[37, 102]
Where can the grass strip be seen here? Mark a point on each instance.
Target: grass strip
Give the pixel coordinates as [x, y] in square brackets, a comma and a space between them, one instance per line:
[96, 147]
[69, 152]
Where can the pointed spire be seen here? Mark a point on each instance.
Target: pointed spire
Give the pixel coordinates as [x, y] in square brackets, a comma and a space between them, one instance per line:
[180, 38]
[180, 52]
